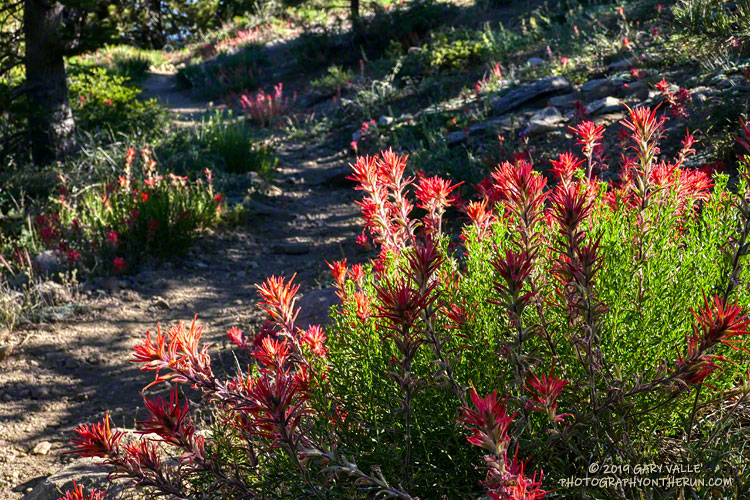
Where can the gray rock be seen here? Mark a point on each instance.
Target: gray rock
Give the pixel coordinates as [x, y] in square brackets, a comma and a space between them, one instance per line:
[39, 393]
[606, 105]
[543, 121]
[535, 61]
[85, 472]
[564, 101]
[264, 209]
[53, 294]
[599, 87]
[506, 123]
[338, 178]
[622, 65]
[42, 448]
[47, 262]
[638, 87]
[5, 351]
[385, 120]
[160, 303]
[455, 137]
[292, 248]
[544, 87]
[70, 364]
[314, 307]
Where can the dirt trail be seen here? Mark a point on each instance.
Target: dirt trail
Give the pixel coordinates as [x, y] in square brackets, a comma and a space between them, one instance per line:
[164, 88]
[72, 372]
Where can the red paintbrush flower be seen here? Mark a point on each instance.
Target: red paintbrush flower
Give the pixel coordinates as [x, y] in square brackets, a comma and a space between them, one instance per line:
[77, 494]
[271, 353]
[278, 300]
[545, 391]
[96, 440]
[315, 337]
[589, 136]
[168, 420]
[515, 268]
[716, 322]
[489, 422]
[565, 167]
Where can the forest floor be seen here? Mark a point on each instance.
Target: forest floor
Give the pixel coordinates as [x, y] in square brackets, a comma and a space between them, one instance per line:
[74, 371]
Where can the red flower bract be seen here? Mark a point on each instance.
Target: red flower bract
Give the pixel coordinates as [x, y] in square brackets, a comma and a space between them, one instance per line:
[96, 440]
[489, 422]
[77, 494]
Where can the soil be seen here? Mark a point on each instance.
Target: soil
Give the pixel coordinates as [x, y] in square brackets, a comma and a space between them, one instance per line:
[66, 373]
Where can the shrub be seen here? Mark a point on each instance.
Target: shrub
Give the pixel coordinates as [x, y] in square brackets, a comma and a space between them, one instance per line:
[112, 225]
[234, 142]
[264, 109]
[335, 79]
[120, 60]
[547, 340]
[103, 101]
[455, 50]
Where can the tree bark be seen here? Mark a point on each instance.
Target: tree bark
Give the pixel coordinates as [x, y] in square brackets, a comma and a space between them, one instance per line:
[53, 130]
[354, 13]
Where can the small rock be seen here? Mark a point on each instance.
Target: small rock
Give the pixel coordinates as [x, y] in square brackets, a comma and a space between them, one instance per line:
[42, 448]
[314, 307]
[39, 393]
[602, 106]
[455, 137]
[339, 178]
[564, 101]
[252, 264]
[53, 294]
[7, 397]
[160, 303]
[95, 359]
[260, 208]
[385, 120]
[637, 87]
[544, 87]
[72, 364]
[599, 87]
[535, 61]
[5, 351]
[292, 248]
[543, 121]
[111, 284]
[85, 472]
[622, 65]
[47, 262]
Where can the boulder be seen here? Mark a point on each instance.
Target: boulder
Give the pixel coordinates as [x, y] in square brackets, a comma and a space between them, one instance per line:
[314, 306]
[565, 100]
[85, 472]
[53, 294]
[622, 65]
[506, 123]
[544, 120]
[535, 61]
[544, 87]
[47, 262]
[603, 106]
[599, 87]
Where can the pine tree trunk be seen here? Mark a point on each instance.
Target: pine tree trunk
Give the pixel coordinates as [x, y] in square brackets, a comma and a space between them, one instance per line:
[53, 131]
[354, 13]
